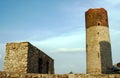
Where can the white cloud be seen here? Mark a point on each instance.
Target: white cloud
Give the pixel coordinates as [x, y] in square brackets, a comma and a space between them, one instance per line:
[69, 50]
[72, 41]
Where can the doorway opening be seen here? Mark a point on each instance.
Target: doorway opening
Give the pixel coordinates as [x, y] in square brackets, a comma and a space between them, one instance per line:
[40, 62]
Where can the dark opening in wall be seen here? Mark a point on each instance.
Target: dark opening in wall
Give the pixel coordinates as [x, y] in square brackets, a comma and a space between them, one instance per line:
[47, 67]
[13, 47]
[118, 64]
[98, 24]
[89, 16]
[106, 20]
[86, 45]
[40, 62]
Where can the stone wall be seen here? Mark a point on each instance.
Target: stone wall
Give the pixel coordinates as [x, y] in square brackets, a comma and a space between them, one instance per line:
[39, 62]
[16, 57]
[31, 75]
[25, 58]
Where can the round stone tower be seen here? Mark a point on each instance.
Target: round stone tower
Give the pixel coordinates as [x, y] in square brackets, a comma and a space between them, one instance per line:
[98, 47]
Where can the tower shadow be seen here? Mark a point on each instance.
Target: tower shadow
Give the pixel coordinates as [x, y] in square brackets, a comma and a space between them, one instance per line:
[106, 57]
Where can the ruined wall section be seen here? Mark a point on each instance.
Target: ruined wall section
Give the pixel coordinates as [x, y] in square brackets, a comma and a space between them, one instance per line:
[16, 57]
[39, 62]
[32, 65]
[23, 57]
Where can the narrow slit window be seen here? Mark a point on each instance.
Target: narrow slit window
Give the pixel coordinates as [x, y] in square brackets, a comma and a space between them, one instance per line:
[98, 55]
[98, 24]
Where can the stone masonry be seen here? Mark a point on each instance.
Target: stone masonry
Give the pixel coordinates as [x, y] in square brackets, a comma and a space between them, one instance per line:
[25, 58]
[32, 75]
[98, 46]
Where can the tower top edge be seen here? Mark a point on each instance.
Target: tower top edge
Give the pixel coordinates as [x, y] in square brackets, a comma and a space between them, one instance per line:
[91, 10]
[10, 43]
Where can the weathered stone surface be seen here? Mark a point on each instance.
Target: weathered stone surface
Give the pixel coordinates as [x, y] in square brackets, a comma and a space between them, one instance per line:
[96, 17]
[99, 58]
[25, 58]
[31, 75]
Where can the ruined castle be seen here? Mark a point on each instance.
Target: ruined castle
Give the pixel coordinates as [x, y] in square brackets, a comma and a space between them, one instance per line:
[23, 60]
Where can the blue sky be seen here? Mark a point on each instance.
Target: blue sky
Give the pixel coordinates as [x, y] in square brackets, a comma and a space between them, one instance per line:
[57, 27]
